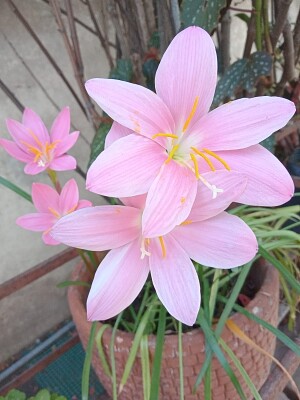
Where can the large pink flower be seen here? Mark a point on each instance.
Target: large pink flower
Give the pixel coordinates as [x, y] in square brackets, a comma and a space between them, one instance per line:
[163, 142]
[37, 148]
[51, 206]
[209, 236]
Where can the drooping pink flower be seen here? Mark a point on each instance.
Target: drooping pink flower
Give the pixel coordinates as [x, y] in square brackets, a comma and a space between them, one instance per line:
[37, 148]
[163, 142]
[51, 206]
[209, 236]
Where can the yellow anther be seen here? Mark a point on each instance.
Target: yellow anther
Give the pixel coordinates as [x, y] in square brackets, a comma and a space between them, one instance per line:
[211, 153]
[204, 157]
[194, 159]
[170, 135]
[186, 222]
[171, 154]
[189, 118]
[36, 139]
[72, 209]
[54, 212]
[163, 247]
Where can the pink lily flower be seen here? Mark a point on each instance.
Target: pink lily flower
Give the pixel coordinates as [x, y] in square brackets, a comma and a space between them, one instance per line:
[37, 148]
[51, 206]
[162, 143]
[209, 236]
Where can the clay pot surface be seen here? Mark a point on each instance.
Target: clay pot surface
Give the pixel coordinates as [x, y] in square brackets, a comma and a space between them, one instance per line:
[264, 305]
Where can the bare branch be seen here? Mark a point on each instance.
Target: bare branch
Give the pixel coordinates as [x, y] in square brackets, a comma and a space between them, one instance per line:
[46, 53]
[281, 16]
[103, 42]
[250, 37]
[288, 53]
[12, 97]
[225, 40]
[175, 14]
[120, 32]
[297, 38]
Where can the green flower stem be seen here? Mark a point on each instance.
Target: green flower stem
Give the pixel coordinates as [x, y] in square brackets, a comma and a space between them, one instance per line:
[258, 32]
[181, 381]
[53, 177]
[86, 261]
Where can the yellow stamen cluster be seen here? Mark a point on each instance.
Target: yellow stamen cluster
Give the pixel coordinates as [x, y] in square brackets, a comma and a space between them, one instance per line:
[41, 151]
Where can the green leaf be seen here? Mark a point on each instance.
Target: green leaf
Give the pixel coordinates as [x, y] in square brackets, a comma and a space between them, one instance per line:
[43, 395]
[203, 13]
[156, 367]
[241, 369]
[112, 356]
[135, 346]
[154, 40]
[123, 71]
[269, 143]
[73, 283]
[149, 71]
[279, 334]
[244, 17]
[15, 189]
[145, 366]
[85, 380]
[98, 142]
[281, 269]
[100, 348]
[212, 341]
[243, 74]
[15, 394]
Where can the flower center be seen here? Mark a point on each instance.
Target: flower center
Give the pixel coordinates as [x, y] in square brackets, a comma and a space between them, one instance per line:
[146, 244]
[43, 152]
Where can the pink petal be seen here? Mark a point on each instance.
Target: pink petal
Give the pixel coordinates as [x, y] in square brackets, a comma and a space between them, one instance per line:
[21, 135]
[118, 281]
[133, 106]
[269, 183]
[34, 168]
[33, 121]
[116, 132]
[232, 183]
[66, 143]
[37, 222]
[126, 168]
[43, 197]
[175, 280]
[242, 123]
[170, 199]
[14, 150]
[61, 126]
[84, 204]
[63, 163]
[224, 241]
[69, 197]
[98, 228]
[188, 70]
[47, 239]
[135, 201]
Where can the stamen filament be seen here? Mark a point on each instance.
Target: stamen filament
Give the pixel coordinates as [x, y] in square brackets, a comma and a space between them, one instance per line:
[171, 154]
[211, 153]
[170, 135]
[163, 247]
[204, 157]
[189, 118]
[194, 159]
[54, 212]
[186, 222]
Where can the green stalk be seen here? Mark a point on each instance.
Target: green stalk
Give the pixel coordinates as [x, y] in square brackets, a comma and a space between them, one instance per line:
[87, 364]
[160, 335]
[53, 177]
[112, 356]
[181, 381]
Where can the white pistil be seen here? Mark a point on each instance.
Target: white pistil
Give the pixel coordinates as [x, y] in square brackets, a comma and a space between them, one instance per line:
[144, 252]
[41, 163]
[213, 188]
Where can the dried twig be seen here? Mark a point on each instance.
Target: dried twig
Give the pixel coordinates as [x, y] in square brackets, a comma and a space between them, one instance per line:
[75, 56]
[46, 53]
[225, 40]
[297, 38]
[104, 43]
[281, 16]
[250, 37]
[289, 64]
[175, 14]
[12, 97]
[120, 32]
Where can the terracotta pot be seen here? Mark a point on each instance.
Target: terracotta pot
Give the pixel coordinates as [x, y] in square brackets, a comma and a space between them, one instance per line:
[264, 305]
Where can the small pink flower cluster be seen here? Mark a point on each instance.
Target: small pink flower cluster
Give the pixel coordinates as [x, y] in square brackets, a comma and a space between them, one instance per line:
[176, 167]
